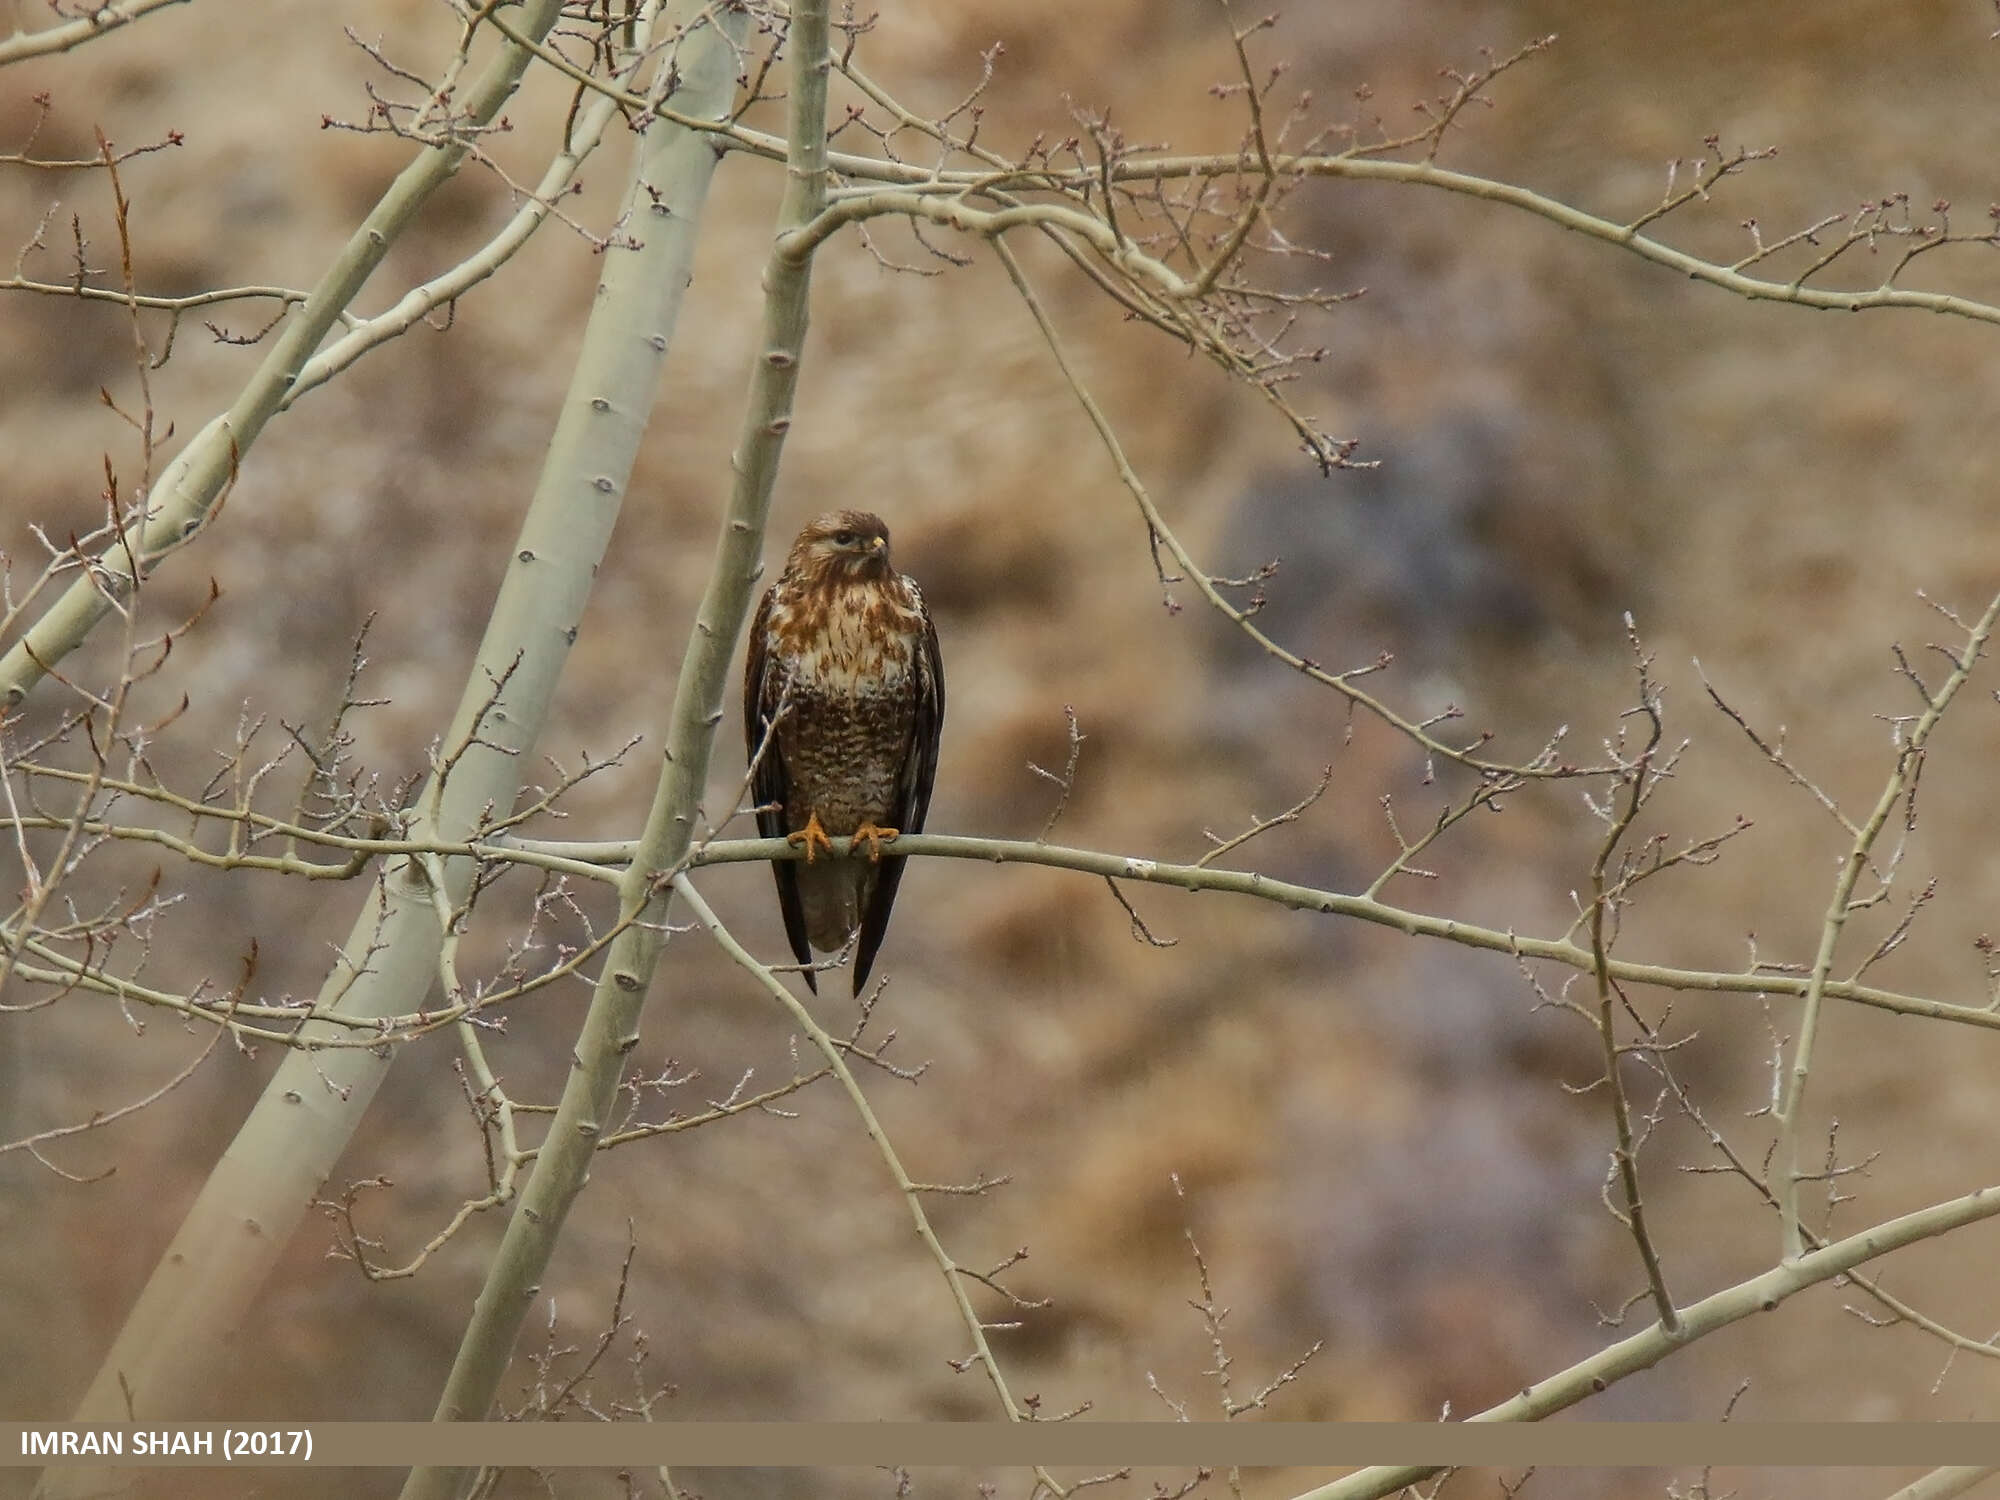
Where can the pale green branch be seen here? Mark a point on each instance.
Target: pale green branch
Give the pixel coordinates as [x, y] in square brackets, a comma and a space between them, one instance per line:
[101, 21]
[611, 1027]
[1945, 1483]
[1355, 166]
[954, 1274]
[419, 302]
[1746, 1299]
[604, 861]
[185, 496]
[289, 296]
[1144, 168]
[288, 1145]
[1297, 897]
[1909, 763]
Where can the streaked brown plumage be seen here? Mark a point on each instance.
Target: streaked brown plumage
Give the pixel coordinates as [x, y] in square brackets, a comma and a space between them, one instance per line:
[843, 644]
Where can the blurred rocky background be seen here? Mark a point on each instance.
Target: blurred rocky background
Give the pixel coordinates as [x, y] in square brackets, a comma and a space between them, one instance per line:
[1373, 1136]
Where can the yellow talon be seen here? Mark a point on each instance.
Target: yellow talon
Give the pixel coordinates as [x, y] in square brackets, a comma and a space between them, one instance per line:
[812, 836]
[875, 838]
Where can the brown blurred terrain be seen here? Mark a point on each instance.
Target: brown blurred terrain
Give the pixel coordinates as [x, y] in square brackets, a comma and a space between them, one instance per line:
[1373, 1135]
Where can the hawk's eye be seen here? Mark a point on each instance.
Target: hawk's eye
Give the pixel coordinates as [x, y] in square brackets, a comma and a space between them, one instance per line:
[843, 539]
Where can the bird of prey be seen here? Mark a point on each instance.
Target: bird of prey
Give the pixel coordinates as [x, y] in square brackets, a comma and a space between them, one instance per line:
[843, 701]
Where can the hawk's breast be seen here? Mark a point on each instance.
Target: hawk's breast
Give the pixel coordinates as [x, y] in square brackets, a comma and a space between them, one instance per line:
[855, 641]
[848, 660]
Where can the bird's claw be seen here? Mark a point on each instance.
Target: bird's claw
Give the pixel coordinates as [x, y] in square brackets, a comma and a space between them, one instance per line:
[875, 837]
[812, 837]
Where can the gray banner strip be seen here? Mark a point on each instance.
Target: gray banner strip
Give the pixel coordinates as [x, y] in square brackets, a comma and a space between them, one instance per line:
[987, 1444]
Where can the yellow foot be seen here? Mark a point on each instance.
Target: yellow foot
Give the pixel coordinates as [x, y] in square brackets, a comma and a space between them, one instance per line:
[812, 836]
[875, 838]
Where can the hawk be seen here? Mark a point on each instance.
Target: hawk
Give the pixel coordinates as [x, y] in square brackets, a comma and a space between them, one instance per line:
[844, 663]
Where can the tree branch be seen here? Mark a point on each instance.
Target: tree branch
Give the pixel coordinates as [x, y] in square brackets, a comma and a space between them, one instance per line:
[912, 1191]
[1643, 1350]
[611, 1028]
[183, 500]
[307, 1114]
[1909, 762]
[1334, 903]
[102, 20]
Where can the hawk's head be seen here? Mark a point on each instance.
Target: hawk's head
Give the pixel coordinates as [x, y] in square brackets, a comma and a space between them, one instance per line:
[843, 546]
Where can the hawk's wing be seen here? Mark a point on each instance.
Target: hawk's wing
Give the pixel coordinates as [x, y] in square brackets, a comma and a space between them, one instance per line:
[913, 788]
[770, 787]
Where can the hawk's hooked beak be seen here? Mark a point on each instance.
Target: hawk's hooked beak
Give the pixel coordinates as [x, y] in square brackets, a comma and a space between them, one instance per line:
[878, 547]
